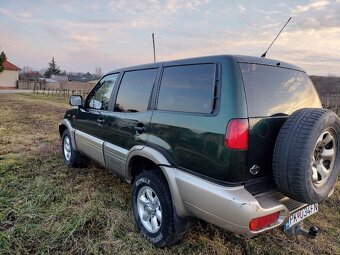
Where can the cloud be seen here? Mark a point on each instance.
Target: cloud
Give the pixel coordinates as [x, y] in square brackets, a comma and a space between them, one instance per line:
[114, 33]
[27, 15]
[5, 11]
[241, 8]
[152, 13]
[316, 16]
[271, 25]
[313, 5]
[83, 39]
[67, 7]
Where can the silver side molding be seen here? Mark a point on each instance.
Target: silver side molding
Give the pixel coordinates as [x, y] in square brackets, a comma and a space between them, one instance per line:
[90, 146]
[115, 158]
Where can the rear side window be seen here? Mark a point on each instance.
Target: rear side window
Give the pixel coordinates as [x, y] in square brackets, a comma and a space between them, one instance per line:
[135, 90]
[275, 90]
[188, 88]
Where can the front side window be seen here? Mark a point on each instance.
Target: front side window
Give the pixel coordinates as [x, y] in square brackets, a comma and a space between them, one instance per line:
[188, 88]
[135, 90]
[99, 97]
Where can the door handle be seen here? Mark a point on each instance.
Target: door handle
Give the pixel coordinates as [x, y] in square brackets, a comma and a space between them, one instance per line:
[140, 128]
[100, 122]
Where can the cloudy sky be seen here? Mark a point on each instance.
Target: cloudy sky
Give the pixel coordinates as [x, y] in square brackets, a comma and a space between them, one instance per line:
[83, 35]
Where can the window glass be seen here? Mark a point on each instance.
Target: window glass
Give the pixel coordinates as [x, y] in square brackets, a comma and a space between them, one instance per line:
[135, 90]
[99, 97]
[187, 88]
[274, 90]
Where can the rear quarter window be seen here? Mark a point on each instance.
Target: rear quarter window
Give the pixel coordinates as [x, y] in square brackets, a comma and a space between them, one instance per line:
[188, 88]
[274, 90]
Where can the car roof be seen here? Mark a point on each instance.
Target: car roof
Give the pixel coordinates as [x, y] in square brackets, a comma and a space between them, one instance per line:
[214, 58]
[266, 61]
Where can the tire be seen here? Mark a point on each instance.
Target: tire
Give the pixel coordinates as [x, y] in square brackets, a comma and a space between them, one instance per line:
[306, 158]
[151, 197]
[71, 157]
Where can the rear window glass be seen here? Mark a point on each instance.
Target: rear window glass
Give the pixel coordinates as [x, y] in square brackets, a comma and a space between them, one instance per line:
[275, 90]
[188, 88]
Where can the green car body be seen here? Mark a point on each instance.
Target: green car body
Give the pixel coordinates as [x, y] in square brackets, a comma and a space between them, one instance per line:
[190, 147]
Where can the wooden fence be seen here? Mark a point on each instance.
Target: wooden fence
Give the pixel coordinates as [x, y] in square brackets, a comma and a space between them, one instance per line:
[332, 102]
[68, 86]
[61, 93]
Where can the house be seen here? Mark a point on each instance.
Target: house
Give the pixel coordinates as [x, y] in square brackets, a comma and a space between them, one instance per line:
[9, 76]
[59, 78]
[80, 77]
[48, 80]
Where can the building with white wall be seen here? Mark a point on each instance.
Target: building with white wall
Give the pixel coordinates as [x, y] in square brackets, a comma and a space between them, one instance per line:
[9, 76]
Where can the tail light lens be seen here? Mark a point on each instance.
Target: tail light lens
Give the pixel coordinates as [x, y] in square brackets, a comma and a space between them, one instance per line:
[237, 134]
[264, 221]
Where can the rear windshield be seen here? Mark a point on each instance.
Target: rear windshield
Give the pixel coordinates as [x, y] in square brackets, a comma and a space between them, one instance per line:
[276, 91]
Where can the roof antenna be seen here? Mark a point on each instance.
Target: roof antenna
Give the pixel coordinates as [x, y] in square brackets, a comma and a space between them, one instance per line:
[264, 54]
[154, 48]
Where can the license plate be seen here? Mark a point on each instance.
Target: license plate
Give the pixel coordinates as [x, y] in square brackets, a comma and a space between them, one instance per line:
[300, 215]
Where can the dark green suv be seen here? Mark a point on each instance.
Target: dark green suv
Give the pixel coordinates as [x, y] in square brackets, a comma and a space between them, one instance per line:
[241, 142]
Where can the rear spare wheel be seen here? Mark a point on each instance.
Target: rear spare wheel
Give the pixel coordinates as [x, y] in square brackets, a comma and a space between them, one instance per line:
[306, 158]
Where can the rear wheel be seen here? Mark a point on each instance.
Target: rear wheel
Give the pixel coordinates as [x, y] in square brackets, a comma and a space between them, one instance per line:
[153, 209]
[306, 158]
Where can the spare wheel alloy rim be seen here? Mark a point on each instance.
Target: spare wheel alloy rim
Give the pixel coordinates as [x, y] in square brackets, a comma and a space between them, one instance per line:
[149, 209]
[324, 156]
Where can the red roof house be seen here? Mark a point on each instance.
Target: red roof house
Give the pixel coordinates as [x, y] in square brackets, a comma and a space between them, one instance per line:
[9, 66]
[9, 76]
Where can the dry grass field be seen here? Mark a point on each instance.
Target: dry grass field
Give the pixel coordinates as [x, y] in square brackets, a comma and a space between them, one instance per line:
[48, 208]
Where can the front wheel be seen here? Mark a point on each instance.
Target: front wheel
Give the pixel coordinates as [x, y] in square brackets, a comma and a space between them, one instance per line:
[71, 157]
[152, 208]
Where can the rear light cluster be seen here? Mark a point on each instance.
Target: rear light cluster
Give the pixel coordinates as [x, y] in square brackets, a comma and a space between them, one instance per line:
[264, 221]
[237, 134]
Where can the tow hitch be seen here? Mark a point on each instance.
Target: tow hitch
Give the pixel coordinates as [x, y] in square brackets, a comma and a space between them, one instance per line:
[299, 230]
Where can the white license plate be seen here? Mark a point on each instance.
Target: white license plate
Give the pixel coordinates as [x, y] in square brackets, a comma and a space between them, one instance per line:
[300, 215]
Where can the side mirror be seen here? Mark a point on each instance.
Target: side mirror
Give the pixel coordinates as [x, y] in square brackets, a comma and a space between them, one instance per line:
[76, 100]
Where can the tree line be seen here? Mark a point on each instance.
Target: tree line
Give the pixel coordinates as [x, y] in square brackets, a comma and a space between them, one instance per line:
[3, 58]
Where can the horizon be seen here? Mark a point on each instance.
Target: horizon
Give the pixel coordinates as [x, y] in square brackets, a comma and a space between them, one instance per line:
[83, 36]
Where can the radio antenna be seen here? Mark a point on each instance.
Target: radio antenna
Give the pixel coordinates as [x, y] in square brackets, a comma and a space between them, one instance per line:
[264, 54]
[154, 47]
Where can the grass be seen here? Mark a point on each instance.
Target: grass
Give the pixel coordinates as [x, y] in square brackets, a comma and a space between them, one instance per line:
[46, 207]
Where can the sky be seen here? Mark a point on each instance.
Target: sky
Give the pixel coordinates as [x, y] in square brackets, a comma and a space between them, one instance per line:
[83, 35]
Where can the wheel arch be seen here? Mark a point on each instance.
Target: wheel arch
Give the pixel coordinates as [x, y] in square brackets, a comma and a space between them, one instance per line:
[145, 155]
[62, 128]
[150, 159]
[66, 124]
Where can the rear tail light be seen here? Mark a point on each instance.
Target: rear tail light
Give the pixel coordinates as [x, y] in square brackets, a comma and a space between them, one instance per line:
[237, 134]
[264, 221]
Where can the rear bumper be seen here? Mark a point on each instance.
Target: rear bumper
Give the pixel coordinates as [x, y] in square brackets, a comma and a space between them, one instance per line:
[231, 208]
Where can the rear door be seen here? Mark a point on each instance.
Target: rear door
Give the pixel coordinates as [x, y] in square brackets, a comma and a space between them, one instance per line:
[90, 121]
[128, 123]
[185, 125]
[273, 93]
